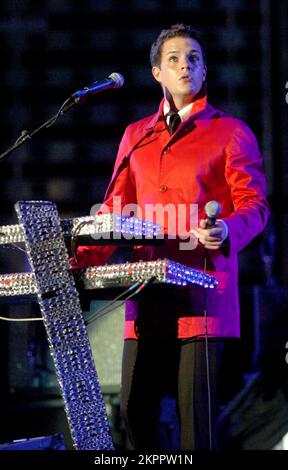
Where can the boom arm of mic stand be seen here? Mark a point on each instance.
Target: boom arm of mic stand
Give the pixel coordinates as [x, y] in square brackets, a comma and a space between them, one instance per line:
[25, 135]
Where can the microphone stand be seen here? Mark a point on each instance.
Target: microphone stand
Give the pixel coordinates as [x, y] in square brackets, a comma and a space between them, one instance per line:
[25, 135]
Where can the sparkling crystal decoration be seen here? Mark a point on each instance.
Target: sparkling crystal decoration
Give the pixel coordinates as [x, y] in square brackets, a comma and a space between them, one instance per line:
[101, 226]
[67, 336]
[164, 271]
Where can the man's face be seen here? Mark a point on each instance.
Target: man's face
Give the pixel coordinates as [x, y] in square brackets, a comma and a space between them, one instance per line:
[182, 70]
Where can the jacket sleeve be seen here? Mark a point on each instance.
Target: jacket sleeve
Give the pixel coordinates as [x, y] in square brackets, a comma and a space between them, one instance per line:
[245, 176]
[120, 192]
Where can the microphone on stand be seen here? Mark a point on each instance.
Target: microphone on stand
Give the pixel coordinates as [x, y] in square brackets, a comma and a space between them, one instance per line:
[212, 210]
[115, 80]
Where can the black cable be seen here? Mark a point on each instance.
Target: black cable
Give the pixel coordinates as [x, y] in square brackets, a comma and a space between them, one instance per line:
[74, 234]
[99, 314]
[207, 361]
[60, 112]
[103, 311]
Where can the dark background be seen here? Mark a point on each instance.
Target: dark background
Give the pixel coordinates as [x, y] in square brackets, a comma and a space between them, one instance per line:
[49, 49]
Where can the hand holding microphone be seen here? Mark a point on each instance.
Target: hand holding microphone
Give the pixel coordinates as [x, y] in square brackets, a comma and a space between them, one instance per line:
[212, 210]
[212, 232]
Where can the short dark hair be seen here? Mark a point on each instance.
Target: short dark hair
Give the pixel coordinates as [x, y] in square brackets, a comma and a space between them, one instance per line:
[176, 30]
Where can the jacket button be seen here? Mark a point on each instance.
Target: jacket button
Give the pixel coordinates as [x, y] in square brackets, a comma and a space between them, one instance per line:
[163, 188]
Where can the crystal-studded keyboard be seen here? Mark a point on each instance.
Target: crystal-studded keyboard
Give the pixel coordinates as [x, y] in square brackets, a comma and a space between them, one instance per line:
[107, 227]
[165, 271]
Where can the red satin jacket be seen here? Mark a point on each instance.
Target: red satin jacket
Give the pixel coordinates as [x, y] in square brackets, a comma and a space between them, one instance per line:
[211, 156]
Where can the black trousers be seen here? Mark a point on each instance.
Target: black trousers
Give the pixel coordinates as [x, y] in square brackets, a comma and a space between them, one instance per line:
[165, 399]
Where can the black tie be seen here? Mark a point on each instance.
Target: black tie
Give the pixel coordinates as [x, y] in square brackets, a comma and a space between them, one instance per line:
[174, 122]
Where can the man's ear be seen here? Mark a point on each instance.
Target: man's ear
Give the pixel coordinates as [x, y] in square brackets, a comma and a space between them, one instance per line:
[156, 72]
[204, 73]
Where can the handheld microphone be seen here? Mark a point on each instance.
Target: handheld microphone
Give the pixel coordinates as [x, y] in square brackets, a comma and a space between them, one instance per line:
[212, 210]
[115, 80]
